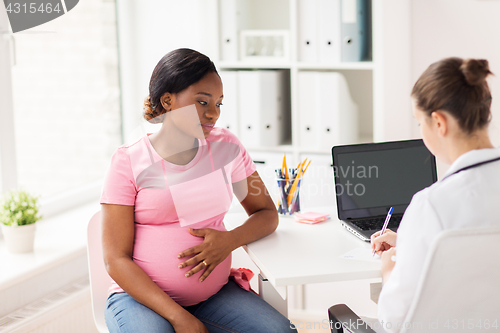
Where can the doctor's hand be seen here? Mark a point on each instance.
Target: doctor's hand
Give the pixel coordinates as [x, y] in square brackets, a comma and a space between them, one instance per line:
[381, 243]
[216, 246]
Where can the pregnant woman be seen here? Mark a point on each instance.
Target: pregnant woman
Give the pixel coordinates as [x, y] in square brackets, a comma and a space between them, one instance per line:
[163, 204]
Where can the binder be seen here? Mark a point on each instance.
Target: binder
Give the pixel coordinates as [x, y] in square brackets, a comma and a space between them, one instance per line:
[308, 109]
[264, 111]
[329, 31]
[307, 24]
[229, 110]
[338, 112]
[327, 114]
[356, 36]
[233, 14]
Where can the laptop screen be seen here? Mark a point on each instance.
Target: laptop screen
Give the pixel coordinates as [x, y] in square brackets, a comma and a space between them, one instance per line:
[371, 178]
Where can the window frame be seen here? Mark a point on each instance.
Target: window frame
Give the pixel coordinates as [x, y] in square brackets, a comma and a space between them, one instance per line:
[50, 205]
[8, 161]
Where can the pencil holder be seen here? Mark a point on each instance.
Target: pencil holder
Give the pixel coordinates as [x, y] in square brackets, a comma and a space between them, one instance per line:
[288, 195]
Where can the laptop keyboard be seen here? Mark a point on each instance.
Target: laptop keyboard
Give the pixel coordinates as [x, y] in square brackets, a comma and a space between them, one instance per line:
[377, 223]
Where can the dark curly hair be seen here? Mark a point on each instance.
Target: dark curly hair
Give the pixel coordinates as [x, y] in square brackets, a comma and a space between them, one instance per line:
[176, 71]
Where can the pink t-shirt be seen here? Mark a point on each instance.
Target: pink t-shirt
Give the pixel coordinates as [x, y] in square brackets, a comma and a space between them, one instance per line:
[169, 198]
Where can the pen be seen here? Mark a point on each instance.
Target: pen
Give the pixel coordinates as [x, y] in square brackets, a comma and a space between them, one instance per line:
[386, 222]
[285, 169]
[295, 182]
[281, 185]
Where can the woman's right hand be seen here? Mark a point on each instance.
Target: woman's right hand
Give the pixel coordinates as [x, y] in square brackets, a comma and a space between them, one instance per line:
[381, 243]
[188, 323]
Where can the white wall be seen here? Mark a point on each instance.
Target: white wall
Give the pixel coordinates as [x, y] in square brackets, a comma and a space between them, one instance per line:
[462, 28]
[149, 29]
[392, 74]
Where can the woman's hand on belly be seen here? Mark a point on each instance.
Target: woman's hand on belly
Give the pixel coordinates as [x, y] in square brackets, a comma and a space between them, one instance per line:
[216, 246]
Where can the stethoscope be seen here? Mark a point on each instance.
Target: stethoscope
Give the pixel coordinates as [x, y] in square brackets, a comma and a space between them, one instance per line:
[472, 166]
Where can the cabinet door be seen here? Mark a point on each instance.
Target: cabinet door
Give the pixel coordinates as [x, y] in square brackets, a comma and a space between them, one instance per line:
[317, 188]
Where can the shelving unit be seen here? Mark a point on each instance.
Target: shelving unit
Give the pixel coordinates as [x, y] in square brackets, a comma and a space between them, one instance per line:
[380, 87]
[367, 65]
[293, 65]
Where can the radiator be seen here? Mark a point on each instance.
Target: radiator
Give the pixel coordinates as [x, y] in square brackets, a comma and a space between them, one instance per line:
[68, 310]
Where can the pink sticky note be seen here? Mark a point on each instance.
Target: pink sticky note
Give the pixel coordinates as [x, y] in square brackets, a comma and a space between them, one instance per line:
[311, 216]
[309, 221]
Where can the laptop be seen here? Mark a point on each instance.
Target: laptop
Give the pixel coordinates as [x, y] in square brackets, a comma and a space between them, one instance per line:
[371, 178]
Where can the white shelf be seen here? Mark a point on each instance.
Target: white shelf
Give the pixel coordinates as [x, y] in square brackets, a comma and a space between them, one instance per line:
[313, 151]
[57, 239]
[253, 65]
[301, 150]
[366, 65]
[278, 149]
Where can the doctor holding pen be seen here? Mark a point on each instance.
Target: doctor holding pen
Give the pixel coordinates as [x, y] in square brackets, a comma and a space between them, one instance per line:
[451, 102]
[164, 200]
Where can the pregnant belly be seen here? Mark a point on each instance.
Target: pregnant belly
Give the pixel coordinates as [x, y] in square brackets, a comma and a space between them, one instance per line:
[155, 250]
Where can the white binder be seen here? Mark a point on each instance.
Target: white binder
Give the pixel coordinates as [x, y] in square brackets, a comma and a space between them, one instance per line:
[232, 14]
[327, 113]
[329, 31]
[262, 105]
[338, 112]
[356, 30]
[229, 110]
[308, 109]
[307, 23]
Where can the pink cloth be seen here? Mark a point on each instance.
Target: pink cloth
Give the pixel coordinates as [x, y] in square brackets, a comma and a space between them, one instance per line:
[169, 198]
[242, 277]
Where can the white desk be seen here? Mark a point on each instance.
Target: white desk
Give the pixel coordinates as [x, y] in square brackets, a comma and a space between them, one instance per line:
[298, 253]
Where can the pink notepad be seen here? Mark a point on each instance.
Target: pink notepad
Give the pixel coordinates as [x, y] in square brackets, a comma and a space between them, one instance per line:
[311, 217]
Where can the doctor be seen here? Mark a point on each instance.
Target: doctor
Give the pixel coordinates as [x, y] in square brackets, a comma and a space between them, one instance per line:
[451, 102]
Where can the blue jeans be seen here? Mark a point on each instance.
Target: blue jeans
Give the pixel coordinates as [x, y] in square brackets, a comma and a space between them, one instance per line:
[232, 309]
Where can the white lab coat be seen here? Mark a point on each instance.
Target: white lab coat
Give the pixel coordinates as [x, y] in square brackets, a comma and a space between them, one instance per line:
[469, 198]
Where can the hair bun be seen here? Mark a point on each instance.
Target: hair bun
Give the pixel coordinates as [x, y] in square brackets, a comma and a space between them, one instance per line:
[475, 71]
[150, 113]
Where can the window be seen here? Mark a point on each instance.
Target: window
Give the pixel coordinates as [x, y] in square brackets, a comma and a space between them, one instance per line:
[66, 99]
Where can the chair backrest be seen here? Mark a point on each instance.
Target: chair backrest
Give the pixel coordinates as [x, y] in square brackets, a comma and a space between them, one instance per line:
[99, 278]
[460, 287]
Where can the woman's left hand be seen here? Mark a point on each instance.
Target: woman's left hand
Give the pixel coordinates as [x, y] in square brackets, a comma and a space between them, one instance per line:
[216, 246]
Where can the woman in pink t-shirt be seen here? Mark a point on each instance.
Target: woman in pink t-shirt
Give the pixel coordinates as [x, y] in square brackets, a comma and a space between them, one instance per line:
[163, 204]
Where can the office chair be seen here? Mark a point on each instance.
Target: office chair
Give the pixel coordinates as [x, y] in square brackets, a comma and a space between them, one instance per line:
[460, 281]
[99, 278]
